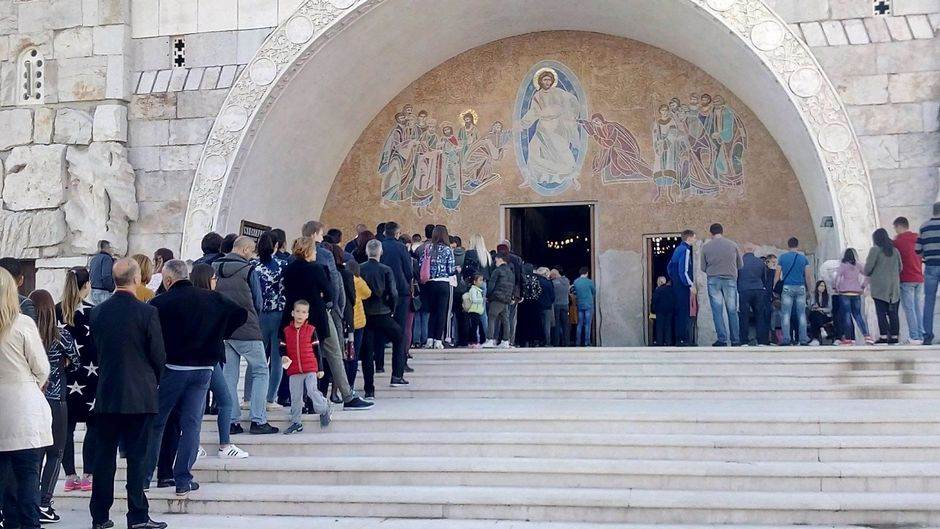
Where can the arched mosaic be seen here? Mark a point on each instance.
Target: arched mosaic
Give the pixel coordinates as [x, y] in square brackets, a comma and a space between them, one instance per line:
[315, 22]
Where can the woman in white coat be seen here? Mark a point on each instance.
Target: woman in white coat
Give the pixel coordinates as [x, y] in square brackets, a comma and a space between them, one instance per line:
[25, 428]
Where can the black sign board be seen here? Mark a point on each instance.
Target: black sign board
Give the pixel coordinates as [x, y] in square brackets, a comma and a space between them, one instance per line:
[252, 229]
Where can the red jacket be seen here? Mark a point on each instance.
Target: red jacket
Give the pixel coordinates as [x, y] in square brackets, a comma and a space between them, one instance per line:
[912, 266]
[301, 349]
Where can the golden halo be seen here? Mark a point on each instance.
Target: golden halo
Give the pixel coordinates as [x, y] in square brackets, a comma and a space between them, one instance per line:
[539, 72]
[470, 111]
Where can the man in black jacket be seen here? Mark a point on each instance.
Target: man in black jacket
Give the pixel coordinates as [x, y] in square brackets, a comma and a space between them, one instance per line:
[380, 327]
[131, 357]
[194, 323]
[395, 256]
[211, 248]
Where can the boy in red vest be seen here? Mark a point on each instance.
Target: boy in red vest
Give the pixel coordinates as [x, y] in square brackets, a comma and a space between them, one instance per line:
[303, 368]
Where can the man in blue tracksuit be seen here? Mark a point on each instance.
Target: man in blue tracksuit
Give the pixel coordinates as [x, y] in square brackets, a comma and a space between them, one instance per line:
[681, 272]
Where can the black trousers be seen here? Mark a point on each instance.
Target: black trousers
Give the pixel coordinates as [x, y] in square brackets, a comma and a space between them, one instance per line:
[19, 475]
[135, 431]
[662, 329]
[54, 453]
[753, 304]
[683, 319]
[88, 448]
[169, 446]
[476, 333]
[437, 294]
[816, 321]
[401, 318]
[888, 323]
[381, 328]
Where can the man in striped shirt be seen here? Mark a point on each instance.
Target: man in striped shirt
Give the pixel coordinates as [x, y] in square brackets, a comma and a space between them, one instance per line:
[928, 246]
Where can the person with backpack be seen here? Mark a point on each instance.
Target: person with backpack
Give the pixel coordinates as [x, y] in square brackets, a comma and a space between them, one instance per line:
[437, 275]
[474, 304]
[500, 297]
[584, 292]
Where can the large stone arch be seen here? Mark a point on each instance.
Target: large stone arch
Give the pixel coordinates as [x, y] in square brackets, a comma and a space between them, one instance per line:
[322, 75]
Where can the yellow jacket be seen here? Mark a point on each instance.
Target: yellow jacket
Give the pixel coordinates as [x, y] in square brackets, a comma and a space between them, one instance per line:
[359, 312]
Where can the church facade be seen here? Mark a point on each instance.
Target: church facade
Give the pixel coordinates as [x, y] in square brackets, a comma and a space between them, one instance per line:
[151, 122]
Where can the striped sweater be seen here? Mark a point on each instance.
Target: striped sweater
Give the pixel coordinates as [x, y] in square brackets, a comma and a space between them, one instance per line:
[928, 242]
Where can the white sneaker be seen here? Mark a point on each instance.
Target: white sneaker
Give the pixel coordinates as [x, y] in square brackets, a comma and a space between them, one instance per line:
[504, 344]
[489, 344]
[438, 344]
[915, 342]
[201, 453]
[429, 344]
[814, 343]
[272, 406]
[232, 452]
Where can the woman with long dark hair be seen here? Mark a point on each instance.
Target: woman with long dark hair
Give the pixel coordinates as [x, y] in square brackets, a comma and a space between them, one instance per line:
[270, 269]
[359, 254]
[437, 259]
[63, 356]
[73, 314]
[883, 268]
[203, 276]
[850, 283]
[820, 313]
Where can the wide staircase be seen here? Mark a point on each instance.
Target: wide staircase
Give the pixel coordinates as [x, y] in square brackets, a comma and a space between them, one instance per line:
[579, 438]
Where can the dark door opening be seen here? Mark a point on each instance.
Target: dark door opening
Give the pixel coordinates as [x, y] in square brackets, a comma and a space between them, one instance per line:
[659, 250]
[554, 236]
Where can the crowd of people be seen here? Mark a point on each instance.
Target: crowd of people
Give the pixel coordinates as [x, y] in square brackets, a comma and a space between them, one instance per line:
[139, 349]
[759, 300]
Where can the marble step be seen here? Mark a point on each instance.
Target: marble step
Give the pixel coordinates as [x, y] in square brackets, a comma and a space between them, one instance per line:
[681, 447]
[544, 504]
[654, 474]
[80, 520]
[759, 417]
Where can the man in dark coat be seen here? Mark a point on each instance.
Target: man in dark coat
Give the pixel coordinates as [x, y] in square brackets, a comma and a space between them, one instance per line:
[131, 358]
[395, 256]
[380, 327]
[194, 323]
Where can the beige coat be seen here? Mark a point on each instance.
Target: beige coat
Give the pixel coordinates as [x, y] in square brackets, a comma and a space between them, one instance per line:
[25, 417]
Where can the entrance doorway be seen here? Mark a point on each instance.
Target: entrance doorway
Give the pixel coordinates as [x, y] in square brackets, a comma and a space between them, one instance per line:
[658, 249]
[554, 236]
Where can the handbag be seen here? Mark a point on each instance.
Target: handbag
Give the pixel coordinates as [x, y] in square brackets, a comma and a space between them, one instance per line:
[424, 274]
[778, 287]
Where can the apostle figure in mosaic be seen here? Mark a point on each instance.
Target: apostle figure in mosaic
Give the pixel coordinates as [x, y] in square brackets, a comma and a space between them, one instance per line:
[730, 142]
[478, 168]
[665, 145]
[449, 146]
[468, 133]
[429, 165]
[396, 163]
[618, 159]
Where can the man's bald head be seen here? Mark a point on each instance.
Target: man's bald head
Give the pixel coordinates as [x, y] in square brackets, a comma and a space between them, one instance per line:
[126, 273]
[244, 246]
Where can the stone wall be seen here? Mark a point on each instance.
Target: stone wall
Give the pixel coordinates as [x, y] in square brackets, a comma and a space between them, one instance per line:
[887, 69]
[64, 173]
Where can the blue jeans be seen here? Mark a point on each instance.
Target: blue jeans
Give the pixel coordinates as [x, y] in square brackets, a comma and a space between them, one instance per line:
[223, 401]
[912, 299]
[253, 353]
[931, 278]
[419, 334]
[793, 298]
[723, 296]
[98, 297]
[270, 325]
[184, 391]
[852, 309]
[20, 472]
[585, 315]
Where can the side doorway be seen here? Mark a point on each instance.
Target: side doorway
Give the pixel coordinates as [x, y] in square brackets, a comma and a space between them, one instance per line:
[658, 250]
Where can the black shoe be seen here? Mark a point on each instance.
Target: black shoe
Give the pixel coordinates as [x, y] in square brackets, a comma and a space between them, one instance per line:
[163, 483]
[284, 402]
[106, 525]
[262, 429]
[409, 369]
[398, 382]
[235, 429]
[48, 515]
[379, 370]
[882, 341]
[357, 404]
[370, 396]
[183, 491]
[928, 340]
[336, 399]
[149, 524]
[719, 344]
